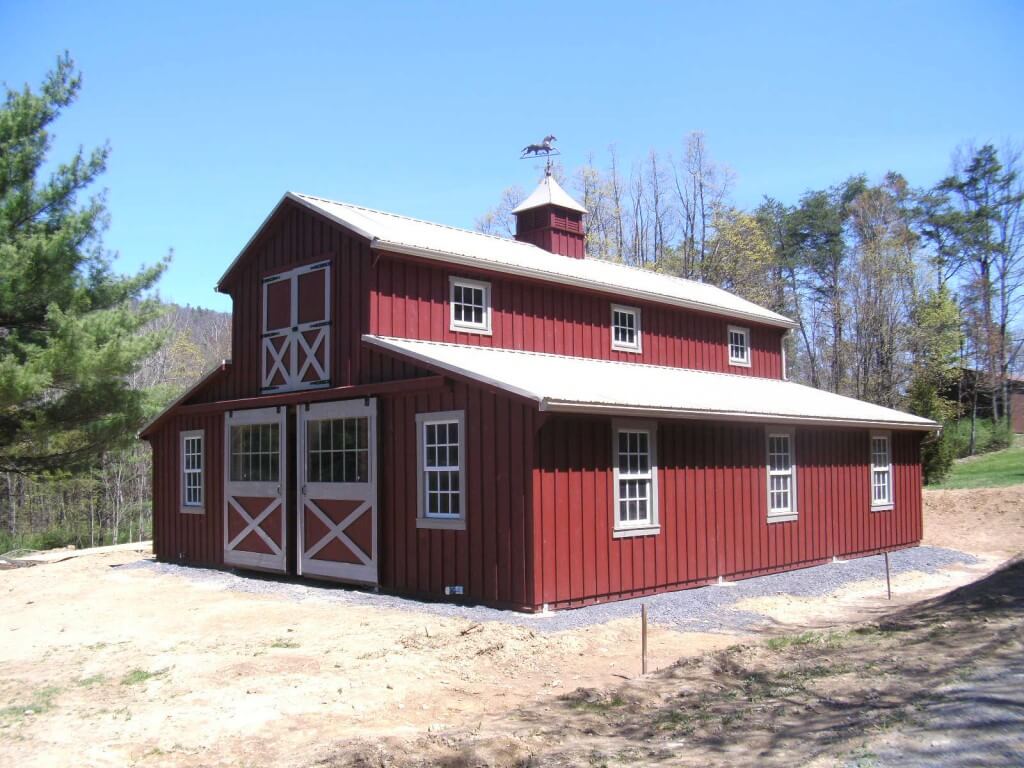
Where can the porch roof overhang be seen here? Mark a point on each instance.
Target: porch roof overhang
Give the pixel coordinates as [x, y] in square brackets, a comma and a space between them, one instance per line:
[562, 384]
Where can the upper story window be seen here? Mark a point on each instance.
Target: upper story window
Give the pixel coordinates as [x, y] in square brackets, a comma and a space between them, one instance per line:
[297, 329]
[441, 461]
[781, 476]
[470, 302]
[626, 328]
[881, 471]
[739, 345]
[636, 479]
[192, 471]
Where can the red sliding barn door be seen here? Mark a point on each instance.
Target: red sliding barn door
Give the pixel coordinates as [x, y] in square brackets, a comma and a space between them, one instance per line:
[295, 349]
[254, 489]
[337, 449]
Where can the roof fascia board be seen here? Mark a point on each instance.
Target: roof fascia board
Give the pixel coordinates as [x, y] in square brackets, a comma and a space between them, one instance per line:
[431, 362]
[537, 274]
[562, 406]
[157, 420]
[259, 231]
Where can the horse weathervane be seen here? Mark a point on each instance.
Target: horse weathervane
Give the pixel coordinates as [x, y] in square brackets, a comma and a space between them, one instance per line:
[545, 149]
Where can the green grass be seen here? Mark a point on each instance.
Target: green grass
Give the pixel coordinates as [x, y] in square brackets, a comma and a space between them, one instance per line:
[39, 702]
[136, 676]
[990, 470]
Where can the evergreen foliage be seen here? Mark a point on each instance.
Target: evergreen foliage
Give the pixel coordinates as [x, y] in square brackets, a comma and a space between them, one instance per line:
[70, 328]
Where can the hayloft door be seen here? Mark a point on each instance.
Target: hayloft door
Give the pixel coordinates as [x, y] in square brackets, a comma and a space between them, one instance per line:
[255, 535]
[337, 447]
[296, 343]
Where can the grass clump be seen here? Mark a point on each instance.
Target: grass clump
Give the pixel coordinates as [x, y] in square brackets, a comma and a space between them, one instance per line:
[284, 643]
[787, 641]
[39, 702]
[137, 676]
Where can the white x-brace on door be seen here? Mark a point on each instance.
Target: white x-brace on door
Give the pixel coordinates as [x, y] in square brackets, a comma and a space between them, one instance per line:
[255, 474]
[337, 448]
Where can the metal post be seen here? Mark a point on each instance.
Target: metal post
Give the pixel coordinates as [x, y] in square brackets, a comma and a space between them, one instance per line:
[888, 583]
[643, 638]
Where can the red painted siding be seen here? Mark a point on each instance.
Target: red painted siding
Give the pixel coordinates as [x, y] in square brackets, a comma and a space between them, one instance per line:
[409, 298]
[491, 559]
[712, 508]
[196, 539]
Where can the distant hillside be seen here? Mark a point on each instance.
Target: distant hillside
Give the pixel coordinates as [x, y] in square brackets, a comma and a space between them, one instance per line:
[198, 339]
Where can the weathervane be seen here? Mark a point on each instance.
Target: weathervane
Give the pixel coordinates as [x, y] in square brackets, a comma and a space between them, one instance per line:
[544, 149]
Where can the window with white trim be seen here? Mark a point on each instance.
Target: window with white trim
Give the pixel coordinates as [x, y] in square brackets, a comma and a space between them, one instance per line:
[881, 471]
[626, 328]
[441, 464]
[192, 471]
[470, 302]
[781, 476]
[739, 345]
[636, 473]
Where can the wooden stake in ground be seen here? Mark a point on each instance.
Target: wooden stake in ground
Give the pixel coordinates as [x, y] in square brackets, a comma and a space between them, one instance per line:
[643, 638]
[888, 583]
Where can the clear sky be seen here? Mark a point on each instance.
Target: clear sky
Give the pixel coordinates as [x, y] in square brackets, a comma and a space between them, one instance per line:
[213, 110]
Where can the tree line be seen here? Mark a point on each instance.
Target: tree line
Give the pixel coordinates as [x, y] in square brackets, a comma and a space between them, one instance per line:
[906, 297]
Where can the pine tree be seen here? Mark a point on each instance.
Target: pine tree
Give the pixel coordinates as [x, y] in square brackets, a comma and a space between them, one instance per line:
[70, 327]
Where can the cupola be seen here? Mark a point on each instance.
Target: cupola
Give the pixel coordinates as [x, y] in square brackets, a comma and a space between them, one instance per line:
[550, 219]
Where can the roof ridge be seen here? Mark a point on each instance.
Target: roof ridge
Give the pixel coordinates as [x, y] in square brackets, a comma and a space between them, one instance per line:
[394, 215]
[588, 359]
[531, 246]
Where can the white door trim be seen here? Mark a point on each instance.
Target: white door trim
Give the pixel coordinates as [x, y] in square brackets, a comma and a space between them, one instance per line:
[307, 492]
[276, 560]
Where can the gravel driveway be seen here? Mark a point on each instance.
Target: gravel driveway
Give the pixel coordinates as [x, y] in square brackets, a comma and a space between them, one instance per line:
[704, 609]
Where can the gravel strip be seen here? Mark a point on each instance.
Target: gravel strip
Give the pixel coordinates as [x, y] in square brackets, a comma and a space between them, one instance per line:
[703, 609]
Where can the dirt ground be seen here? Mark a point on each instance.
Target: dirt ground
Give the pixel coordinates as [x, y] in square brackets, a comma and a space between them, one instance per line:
[106, 666]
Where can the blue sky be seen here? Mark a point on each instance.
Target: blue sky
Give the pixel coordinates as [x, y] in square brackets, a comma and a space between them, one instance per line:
[213, 109]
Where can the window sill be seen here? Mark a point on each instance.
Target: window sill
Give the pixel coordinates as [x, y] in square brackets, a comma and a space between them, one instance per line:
[787, 518]
[882, 507]
[470, 329]
[192, 510]
[739, 363]
[440, 524]
[647, 530]
[622, 348]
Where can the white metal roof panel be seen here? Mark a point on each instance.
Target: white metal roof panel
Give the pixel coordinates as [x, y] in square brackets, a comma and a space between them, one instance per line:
[401, 234]
[549, 192]
[561, 383]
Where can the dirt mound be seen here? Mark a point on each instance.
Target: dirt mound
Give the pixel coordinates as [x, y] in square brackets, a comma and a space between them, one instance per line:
[978, 520]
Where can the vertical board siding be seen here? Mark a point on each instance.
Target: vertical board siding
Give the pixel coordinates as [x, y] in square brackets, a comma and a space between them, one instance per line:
[297, 236]
[195, 539]
[409, 298]
[489, 558]
[712, 491]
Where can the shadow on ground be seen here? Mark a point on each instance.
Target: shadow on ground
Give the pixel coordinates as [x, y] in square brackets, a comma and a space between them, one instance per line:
[792, 700]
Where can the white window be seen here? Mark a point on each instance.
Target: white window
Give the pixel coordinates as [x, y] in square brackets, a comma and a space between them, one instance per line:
[626, 328]
[441, 467]
[636, 478]
[881, 471]
[739, 346]
[781, 476]
[192, 471]
[470, 302]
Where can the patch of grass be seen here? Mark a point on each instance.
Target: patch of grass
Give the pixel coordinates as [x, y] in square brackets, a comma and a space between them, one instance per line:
[89, 682]
[598, 705]
[136, 676]
[284, 643]
[990, 470]
[786, 641]
[39, 702]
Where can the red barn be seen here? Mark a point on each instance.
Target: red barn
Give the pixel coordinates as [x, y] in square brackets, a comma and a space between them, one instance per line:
[439, 412]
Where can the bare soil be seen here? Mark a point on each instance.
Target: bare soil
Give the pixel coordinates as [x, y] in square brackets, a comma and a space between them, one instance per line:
[102, 666]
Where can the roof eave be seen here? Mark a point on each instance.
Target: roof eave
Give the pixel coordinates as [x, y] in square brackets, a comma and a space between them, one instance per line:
[150, 426]
[563, 406]
[475, 263]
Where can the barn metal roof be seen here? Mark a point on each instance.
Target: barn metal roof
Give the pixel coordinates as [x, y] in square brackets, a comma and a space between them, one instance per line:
[401, 234]
[575, 384]
[549, 192]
